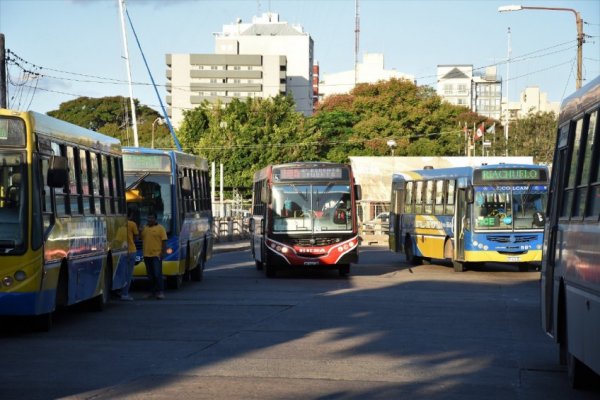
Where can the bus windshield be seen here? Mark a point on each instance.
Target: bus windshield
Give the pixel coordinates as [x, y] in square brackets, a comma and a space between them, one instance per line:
[312, 207]
[509, 207]
[13, 201]
[151, 193]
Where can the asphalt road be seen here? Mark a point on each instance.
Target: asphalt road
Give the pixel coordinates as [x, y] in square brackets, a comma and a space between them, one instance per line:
[386, 332]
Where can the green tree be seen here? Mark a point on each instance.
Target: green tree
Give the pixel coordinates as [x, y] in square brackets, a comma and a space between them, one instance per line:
[533, 135]
[111, 116]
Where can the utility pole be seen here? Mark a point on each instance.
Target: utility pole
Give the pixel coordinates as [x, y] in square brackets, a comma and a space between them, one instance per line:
[507, 111]
[133, 116]
[3, 93]
[356, 41]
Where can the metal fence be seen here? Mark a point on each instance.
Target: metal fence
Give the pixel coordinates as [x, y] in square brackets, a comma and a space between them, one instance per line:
[228, 229]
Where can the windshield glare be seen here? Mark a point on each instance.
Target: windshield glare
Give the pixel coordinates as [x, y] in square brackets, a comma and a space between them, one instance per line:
[12, 201]
[152, 193]
[502, 208]
[312, 208]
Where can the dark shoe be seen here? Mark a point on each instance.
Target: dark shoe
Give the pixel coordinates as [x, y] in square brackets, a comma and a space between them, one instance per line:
[160, 296]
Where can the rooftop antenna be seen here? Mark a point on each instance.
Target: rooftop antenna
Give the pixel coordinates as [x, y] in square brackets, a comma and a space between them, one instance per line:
[356, 39]
[133, 116]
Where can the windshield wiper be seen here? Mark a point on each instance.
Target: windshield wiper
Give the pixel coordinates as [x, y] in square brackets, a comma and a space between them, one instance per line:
[137, 181]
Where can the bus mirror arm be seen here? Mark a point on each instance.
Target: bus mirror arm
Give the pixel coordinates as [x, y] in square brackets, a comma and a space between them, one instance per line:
[470, 195]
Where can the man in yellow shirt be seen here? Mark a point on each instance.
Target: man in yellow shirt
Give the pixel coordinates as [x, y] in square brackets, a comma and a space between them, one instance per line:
[154, 244]
[132, 234]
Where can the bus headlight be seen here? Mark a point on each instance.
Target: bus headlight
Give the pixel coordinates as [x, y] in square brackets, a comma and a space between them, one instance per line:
[284, 250]
[475, 243]
[7, 280]
[539, 247]
[486, 247]
[480, 246]
[20, 275]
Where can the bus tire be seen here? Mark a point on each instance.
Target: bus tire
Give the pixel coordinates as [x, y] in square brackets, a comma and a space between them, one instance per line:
[175, 281]
[344, 270]
[99, 302]
[197, 274]
[410, 254]
[270, 268]
[523, 267]
[42, 322]
[259, 265]
[458, 266]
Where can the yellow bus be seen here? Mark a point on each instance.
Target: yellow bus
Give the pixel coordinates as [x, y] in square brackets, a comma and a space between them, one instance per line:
[63, 233]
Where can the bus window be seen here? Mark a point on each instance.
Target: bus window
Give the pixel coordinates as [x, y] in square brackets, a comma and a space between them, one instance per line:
[439, 197]
[408, 200]
[95, 174]
[428, 197]
[572, 174]
[450, 197]
[418, 197]
[85, 181]
[13, 195]
[73, 186]
[59, 193]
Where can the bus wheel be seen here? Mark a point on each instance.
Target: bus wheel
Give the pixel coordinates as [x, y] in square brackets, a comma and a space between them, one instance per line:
[41, 323]
[270, 268]
[99, 302]
[197, 274]
[410, 255]
[458, 266]
[344, 270]
[523, 267]
[259, 265]
[175, 282]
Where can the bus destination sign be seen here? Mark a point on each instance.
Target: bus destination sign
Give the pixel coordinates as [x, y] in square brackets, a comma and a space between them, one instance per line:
[147, 162]
[287, 174]
[510, 174]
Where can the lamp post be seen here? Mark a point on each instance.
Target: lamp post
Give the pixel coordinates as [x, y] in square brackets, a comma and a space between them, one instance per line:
[579, 22]
[160, 122]
[392, 145]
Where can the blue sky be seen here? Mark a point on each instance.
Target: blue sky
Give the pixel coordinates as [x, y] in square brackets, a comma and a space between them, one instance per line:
[84, 37]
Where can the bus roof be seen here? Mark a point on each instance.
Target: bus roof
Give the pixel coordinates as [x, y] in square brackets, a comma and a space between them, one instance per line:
[456, 172]
[67, 131]
[580, 101]
[182, 159]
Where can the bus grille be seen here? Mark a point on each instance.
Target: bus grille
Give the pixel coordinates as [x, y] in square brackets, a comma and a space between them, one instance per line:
[515, 238]
[316, 242]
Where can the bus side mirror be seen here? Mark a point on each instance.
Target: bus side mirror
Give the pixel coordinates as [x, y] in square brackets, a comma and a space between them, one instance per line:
[358, 192]
[58, 172]
[186, 186]
[470, 195]
[265, 194]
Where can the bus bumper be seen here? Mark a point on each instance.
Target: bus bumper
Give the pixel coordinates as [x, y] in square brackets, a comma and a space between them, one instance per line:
[494, 256]
[327, 256]
[27, 303]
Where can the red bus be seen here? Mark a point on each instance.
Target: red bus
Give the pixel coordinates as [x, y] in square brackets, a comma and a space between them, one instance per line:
[304, 215]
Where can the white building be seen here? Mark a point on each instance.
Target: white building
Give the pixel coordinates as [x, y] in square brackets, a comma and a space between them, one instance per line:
[194, 78]
[533, 100]
[268, 36]
[481, 91]
[371, 70]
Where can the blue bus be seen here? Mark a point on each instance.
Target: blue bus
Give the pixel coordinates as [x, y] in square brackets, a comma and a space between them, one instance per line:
[470, 215]
[570, 278]
[175, 186]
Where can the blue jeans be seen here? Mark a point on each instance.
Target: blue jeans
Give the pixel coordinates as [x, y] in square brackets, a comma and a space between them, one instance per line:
[154, 271]
[128, 273]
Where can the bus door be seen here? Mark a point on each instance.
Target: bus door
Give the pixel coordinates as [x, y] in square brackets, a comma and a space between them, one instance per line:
[559, 169]
[257, 230]
[460, 216]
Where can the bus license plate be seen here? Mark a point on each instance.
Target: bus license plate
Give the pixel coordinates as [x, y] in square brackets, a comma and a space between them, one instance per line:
[311, 263]
[514, 258]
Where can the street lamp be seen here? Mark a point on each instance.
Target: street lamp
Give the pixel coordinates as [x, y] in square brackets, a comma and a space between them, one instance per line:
[160, 122]
[579, 22]
[392, 145]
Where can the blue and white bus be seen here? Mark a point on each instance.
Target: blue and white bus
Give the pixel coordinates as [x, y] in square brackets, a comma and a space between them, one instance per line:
[175, 186]
[470, 215]
[570, 284]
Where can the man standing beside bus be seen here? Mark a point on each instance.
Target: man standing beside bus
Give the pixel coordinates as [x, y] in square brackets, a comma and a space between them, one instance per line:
[154, 240]
[132, 234]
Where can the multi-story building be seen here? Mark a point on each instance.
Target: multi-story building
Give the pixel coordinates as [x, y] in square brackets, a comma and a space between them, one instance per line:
[194, 78]
[269, 36]
[371, 70]
[481, 92]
